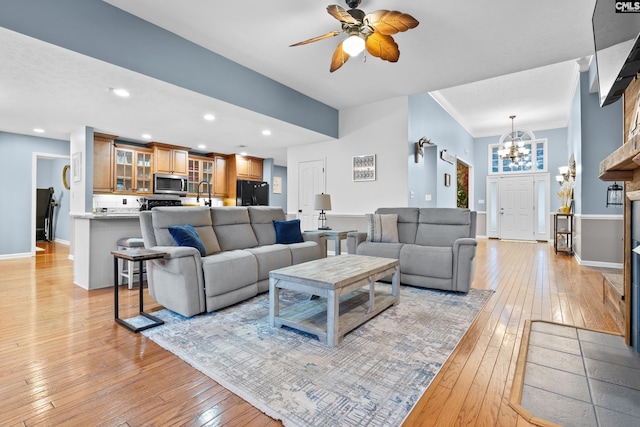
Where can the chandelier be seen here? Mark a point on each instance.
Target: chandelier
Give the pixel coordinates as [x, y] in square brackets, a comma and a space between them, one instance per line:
[514, 149]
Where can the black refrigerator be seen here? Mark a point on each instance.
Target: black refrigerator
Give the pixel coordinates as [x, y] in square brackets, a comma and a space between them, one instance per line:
[252, 193]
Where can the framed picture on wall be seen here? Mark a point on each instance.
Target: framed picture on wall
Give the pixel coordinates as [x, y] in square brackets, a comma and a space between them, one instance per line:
[364, 168]
[76, 166]
[277, 185]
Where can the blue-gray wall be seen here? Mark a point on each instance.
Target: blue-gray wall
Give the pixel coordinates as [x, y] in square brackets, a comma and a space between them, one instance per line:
[97, 29]
[280, 199]
[427, 118]
[50, 175]
[601, 131]
[16, 156]
[556, 156]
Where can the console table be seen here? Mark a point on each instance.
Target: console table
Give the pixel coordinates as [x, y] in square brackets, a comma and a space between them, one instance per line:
[136, 255]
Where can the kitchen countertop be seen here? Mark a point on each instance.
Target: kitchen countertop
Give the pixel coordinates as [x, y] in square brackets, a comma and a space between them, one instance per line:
[107, 215]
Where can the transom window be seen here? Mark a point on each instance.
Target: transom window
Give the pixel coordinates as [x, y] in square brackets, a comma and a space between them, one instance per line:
[535, 161]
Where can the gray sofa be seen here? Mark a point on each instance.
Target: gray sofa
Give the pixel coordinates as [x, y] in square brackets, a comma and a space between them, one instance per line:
[436, 247]
[241, 250]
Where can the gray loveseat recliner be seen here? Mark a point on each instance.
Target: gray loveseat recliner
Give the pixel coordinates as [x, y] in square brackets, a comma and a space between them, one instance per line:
[241, 250]
[436, 248]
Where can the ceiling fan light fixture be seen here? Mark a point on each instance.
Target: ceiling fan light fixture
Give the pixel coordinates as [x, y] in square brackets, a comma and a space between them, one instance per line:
[353, 45]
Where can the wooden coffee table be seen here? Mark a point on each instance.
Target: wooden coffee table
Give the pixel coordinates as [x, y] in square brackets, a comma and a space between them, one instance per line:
[346, 286]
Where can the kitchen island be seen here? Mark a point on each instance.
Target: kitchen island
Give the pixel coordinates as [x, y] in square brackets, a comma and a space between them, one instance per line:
[95, 235]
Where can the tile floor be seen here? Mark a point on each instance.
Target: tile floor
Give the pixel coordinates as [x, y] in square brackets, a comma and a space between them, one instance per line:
[576, 377]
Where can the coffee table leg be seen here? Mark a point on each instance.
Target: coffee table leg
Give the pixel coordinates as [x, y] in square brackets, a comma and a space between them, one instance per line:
[274, 301]
[372, 293]
[395, 281]
[333, 312]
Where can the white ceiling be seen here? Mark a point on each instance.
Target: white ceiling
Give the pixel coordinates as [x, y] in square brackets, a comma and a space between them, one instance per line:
[468, 53]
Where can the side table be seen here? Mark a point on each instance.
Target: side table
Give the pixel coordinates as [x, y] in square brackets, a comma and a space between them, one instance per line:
[136, 255]
[335, 235]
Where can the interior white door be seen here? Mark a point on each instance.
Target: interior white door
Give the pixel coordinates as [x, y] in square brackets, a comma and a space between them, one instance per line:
[311, 181]
[517, 208]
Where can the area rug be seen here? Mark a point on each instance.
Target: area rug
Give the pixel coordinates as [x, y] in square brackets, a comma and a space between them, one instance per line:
[374, 377]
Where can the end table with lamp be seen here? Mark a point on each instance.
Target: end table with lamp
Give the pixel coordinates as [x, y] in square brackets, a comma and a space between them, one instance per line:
[136, 255]
[322, 202]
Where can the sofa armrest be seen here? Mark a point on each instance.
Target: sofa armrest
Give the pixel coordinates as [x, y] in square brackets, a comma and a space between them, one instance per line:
[177, 281]
[464, 263]
[177, 251]
[319, 238]
[354, 238]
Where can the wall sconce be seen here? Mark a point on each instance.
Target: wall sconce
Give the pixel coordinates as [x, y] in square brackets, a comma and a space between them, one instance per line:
[614, 195]
[447, 180]
[418, 147]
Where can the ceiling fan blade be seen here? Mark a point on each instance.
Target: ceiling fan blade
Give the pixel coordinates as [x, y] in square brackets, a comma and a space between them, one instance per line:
[341, 15]
[315, 39]
[383, 46]
[390, 22]
[339, 58]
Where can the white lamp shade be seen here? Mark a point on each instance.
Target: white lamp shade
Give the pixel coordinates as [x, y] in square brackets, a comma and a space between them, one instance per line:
[353, 45]
[322, 202]
[564, 170]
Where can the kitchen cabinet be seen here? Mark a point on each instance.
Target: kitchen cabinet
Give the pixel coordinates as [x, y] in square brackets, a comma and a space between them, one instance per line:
[132, 170]
[103, 145]
[169, 159]
[200, 169]
[243, 168]
[220, 187]
[144, 172]
[249, 168]
[211, 169]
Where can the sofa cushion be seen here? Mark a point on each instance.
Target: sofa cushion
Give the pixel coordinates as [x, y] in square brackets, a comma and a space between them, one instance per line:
[303, 252]
[186, 235]
[232, 227]
[407, 222]
[429, 261]
[288, 231]
[199, 218]
[227, 271]
[262, 218]
[384, 250]
[270, 257]
[382, 228]
[442, 226]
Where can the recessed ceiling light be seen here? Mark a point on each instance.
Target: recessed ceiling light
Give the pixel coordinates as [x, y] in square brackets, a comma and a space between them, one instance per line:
[266, 132]
[123, 93]
[146, 136]
[38, 130]
[202, 146]
[209, 117]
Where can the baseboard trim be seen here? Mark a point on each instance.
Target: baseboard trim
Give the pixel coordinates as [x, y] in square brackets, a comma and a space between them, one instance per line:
[598, 264]
[18, 255]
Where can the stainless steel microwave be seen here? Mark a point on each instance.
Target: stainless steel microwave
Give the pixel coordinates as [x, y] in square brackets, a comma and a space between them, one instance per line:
[170, 184]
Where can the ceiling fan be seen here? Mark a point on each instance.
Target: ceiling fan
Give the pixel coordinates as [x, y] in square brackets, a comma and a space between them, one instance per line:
[371, 31]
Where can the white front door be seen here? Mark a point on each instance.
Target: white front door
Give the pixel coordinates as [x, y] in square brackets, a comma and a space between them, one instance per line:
[516, 208]
[310, 182]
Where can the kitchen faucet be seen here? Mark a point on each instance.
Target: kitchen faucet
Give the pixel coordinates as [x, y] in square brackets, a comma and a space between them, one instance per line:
[206, 203]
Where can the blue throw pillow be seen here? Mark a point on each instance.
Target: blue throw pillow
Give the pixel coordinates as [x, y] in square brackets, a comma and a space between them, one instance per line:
[288, 231]
[187, 236]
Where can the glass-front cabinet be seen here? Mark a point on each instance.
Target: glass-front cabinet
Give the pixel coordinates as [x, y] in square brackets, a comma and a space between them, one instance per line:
[144, 172]
[133, 170]
[124, 170]
[200, 169]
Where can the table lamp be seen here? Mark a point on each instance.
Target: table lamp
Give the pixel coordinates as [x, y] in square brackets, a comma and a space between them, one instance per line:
[322, 202]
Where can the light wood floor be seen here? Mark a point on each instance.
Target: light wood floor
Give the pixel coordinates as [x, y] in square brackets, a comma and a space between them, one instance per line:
[63, 360]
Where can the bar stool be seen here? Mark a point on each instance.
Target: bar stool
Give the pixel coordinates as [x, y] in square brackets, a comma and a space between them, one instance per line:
[124, 244]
